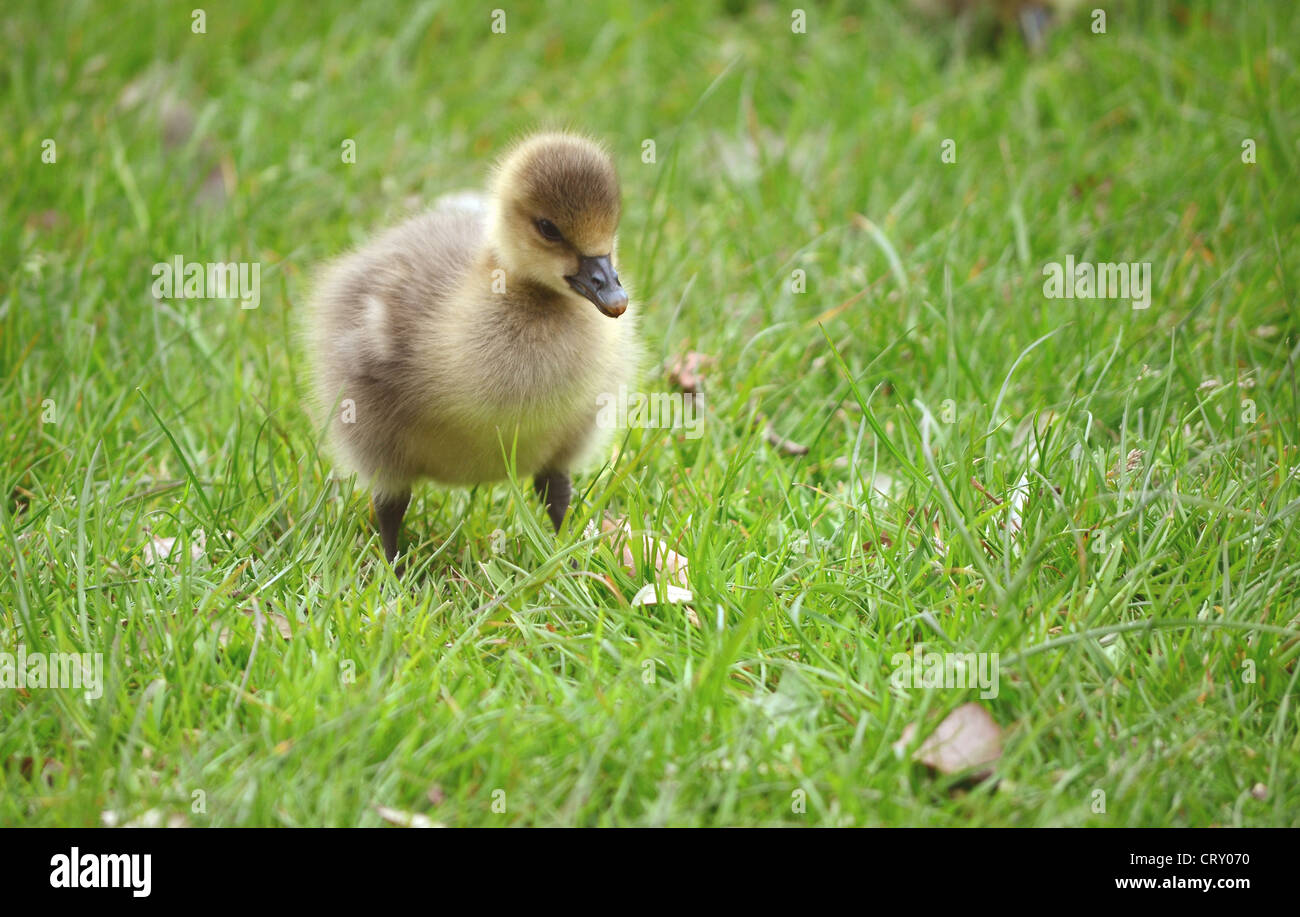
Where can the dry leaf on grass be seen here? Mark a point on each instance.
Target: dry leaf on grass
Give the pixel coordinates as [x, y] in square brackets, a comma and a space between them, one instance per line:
[44, 219]
[665, 559]
[968, 738]
[50, 769]
[686, 372]
[161, 549]
[178, 119]
[406, 819]
[782, 444]
[280, 622]
[259, 618]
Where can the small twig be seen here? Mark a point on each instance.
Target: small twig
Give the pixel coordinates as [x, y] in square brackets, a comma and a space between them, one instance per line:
[980, 487]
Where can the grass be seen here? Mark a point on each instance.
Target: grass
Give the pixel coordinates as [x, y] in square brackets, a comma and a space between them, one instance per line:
[1145, 610]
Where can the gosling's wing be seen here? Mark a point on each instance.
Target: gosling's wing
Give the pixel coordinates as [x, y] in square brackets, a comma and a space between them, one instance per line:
[372, 302]
[425, 261]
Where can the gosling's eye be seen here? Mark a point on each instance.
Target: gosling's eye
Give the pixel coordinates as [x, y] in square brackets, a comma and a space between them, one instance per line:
[549, 230]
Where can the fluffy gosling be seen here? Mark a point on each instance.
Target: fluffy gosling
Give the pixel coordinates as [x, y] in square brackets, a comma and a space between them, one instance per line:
[479, 333]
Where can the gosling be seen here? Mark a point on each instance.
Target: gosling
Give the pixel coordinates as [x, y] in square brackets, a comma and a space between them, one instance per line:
[480, 335]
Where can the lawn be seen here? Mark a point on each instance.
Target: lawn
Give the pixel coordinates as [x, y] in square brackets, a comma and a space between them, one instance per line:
[906, 448]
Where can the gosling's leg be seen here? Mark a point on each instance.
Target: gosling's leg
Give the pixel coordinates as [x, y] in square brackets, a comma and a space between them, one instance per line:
[555, 490]
[389, 510]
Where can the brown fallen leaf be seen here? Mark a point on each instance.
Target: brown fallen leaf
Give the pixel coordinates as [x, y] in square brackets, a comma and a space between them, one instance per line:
[49, 770]
[219, 182]
[966, 739]
[45, 220]
[781, 443]
[686, 371]
[177, 119]
[259, 618]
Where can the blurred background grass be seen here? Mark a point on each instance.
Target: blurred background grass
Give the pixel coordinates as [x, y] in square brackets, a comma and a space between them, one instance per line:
[775, 151]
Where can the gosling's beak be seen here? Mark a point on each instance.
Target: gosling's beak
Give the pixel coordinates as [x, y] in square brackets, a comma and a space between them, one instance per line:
[597, 281]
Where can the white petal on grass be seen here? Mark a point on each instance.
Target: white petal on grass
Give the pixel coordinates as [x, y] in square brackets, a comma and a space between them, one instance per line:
[673, 595]
[406, 819]
[153, 818]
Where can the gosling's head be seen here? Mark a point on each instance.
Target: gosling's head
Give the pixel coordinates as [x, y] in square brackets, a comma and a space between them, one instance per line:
[555, 210]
